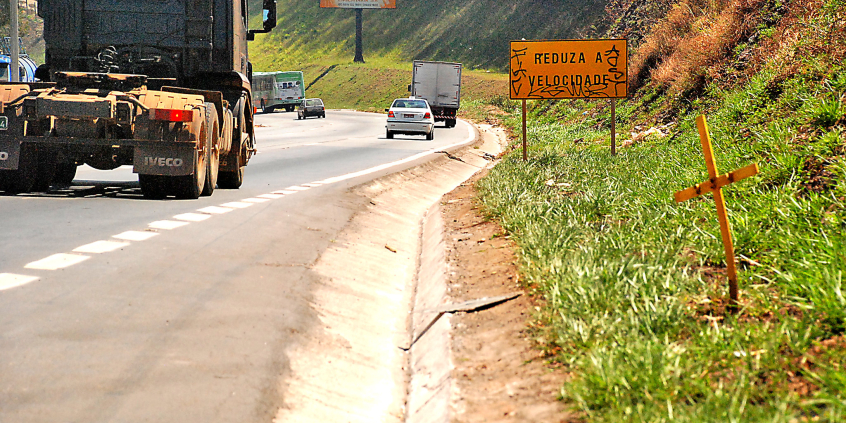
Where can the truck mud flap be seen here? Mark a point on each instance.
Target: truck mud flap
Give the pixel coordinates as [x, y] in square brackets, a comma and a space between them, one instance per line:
[164, 160]
[10, 154]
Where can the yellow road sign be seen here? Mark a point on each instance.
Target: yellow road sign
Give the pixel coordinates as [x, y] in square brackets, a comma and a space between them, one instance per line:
[360, 4]
[569, 69]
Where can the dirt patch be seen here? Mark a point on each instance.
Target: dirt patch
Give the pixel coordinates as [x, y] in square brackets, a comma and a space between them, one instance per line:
[500, 375]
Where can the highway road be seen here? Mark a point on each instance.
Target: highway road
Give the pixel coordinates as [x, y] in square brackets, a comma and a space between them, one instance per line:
[115, 308]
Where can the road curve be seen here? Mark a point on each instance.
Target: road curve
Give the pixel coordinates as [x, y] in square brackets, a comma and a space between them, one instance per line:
[117, 308]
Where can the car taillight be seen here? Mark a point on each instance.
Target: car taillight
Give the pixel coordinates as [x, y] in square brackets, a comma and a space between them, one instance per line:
[391, 114]
[172, 115]
[427, 116]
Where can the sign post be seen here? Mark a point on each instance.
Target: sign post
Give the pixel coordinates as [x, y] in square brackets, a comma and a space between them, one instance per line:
[359, 6]
[525, 143]
[715, 185]
[570, 69]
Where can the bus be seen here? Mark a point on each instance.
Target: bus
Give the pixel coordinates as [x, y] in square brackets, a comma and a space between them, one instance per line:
[278, 90]
[27, 65]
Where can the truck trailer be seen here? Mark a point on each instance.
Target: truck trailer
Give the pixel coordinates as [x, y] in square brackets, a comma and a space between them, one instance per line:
[439, 83]
[162, 85]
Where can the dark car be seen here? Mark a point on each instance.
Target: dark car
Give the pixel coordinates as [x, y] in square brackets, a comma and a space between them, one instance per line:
[311, 107]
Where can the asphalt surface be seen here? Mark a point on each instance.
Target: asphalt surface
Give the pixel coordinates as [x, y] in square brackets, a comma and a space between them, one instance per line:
[117, 308]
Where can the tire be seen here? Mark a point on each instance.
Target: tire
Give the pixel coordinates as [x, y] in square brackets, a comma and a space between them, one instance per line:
[65, 173]
[153, 187]
[450, 123]
[190, 187]
[46, 171]
[234, 179]
[431, 135]
[212, 144]
[389, 135]
[21, 180]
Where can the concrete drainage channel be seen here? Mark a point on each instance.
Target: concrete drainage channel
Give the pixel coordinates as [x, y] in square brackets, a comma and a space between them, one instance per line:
[382, 283]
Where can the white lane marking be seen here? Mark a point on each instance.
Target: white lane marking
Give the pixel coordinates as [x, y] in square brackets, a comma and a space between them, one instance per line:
[11, 280]
[313, 184]
[271, 196]
[470, 137]
[237, 205]
[167, 224]
[99, 247]
[57, 261]
[297, 188]
[135, 235]
[256, 200]
[214, 210]
[192, 217]
[284, 192]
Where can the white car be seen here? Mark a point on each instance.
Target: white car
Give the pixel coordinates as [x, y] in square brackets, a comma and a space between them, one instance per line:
[410, 116]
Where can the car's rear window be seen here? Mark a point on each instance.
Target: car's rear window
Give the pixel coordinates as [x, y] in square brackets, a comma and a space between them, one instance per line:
[409, 104]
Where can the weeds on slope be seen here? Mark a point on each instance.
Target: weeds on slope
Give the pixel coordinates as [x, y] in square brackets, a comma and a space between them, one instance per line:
[634, 284]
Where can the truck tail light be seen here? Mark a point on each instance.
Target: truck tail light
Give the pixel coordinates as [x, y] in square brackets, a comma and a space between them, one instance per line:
[172, 115]
[391, 114]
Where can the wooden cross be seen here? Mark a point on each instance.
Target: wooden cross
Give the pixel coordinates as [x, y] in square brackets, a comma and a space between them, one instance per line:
[715, 185]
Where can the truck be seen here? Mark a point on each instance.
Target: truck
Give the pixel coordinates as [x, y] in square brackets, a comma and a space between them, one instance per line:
[439, 83]
[275, 90]
[26, 71]
[161, 85]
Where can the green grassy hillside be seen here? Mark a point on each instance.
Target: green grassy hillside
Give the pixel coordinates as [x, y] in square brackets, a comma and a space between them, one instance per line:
[474, 32]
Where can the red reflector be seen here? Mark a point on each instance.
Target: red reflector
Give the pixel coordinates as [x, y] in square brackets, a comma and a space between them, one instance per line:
[172, 115]
[427, 116]
[391, 114]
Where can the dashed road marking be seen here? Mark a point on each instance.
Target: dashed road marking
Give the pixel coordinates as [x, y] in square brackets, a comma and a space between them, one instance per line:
[214, 210]
[167, 224]
[237, 205]
[100, 247]
[57, 261]
[297, 188]
[192, 217]
[135, 235]
[11, 280]
[256, 200]
[284, 192]
[271, 196]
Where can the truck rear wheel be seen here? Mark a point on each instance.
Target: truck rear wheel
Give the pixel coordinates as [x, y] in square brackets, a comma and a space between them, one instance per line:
[190, 187]
[65, 173]
[212, 144]
[21, 180]
[234, 179]
[231, 180]
[153, 187]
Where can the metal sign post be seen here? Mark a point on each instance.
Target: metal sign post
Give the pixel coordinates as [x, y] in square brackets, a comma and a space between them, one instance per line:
[525, 142]
[715, 185]
[613, 126]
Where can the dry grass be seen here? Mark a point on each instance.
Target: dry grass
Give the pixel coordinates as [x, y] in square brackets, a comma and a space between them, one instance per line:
[695, 36]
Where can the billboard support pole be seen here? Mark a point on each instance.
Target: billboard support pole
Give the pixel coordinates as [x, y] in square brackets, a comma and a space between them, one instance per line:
[525, 142]
[359, 44]
[14, 43]
[613, 126]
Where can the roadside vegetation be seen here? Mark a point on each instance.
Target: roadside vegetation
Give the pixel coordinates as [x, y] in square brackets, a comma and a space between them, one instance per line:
[631, 286]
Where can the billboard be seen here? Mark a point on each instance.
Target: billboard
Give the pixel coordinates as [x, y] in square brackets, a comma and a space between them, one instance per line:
[360, 4]
[568, 69]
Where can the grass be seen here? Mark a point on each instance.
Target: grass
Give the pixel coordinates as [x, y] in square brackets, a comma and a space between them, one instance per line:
[634, 285]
